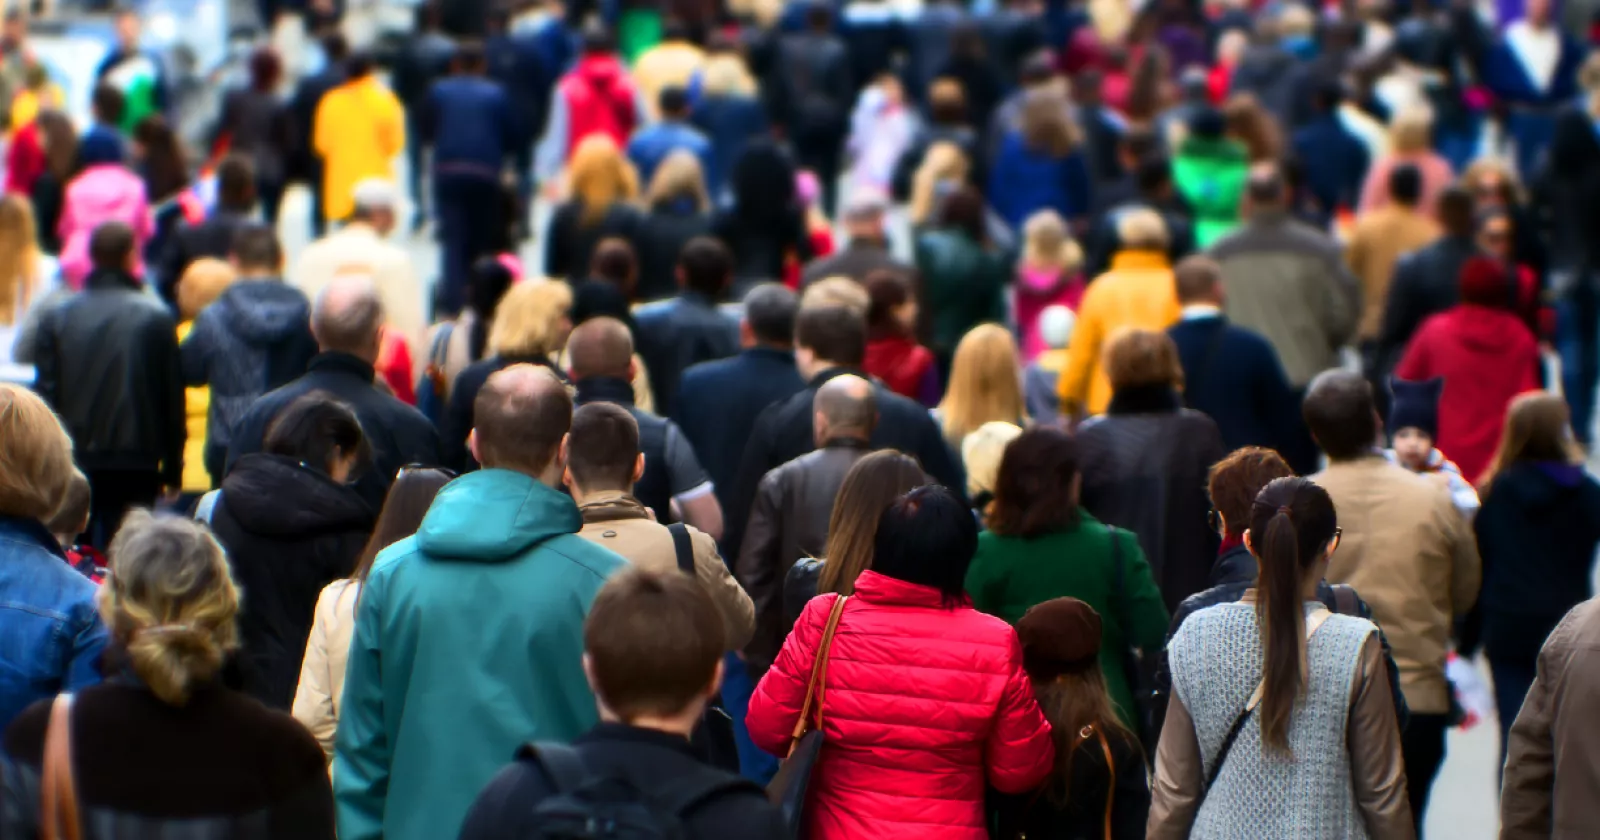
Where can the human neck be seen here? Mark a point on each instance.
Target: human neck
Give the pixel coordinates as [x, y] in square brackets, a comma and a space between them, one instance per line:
[582, 495]
[682, 724]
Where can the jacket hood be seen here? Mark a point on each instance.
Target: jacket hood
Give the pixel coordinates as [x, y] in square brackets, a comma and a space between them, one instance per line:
[1540, 484]
[492, 516]
[276, 496]
[1481, 330]
[263, 311]
[600, 71]
[108, 192]
[1221, 150]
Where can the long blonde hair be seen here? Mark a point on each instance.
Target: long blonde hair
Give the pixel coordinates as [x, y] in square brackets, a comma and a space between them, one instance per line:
[1047, 243]
[19, 256]
[985, 383]
[601, 177]
[528, 321]
[944, 162]
[679, 176]
[1537, 428]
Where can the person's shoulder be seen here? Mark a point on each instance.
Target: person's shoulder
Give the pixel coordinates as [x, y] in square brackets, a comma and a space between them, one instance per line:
[24, 737]
[590, 556]
[281, 742]
[737, 808]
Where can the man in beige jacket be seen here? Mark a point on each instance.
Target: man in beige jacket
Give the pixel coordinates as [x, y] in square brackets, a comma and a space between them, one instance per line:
[1551, 789]
[361, 248]
[1406, 551]
[603, 462]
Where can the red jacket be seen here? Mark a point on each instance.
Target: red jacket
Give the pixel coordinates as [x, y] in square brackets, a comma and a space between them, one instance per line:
[25, 160]
[901, 363]
[600, 99]
[1487, 357]
[923, 705]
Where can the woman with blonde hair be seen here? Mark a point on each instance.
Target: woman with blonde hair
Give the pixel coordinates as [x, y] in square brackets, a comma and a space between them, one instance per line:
[531, 326]
[28, 279]
[1410, 141]
[1041, 165]
[677, 209]
[603, 187]
[172, 609]
[728, 111]
[944, 168]
[1048, 274]
[948, 121]
[985, 384]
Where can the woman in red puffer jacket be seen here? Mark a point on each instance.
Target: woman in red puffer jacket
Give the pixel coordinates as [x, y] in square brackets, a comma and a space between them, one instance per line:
[925, 701]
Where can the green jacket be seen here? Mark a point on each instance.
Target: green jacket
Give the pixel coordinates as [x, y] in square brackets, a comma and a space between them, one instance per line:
[1211, 176]
[468, 642]
[963, 285]
[1011, 574]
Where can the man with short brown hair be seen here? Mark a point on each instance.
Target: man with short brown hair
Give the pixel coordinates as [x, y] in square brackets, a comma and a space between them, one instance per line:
[467, 639]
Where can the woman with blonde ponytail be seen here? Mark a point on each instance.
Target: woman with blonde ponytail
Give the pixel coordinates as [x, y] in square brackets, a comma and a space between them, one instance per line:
[162, 748]
[1280, 722]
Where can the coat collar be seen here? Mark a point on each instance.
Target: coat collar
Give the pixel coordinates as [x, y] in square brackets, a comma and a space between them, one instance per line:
[604, 389]
[773, 354]
[1145, 399]
[1236, 565]
[103, 279]
[833, 373]
[611, 505]
[30, 531]
[875, 588]
[343, 364]
[1139, 261]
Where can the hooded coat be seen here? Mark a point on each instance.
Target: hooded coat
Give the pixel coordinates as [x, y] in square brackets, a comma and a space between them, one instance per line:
[100, 194]
[289, 530]
[599, 99]
[468, 642]
[1486, 357]
[358, 130]
[1210, 175]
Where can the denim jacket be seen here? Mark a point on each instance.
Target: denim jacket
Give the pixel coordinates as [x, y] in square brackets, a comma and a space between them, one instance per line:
[50, 632]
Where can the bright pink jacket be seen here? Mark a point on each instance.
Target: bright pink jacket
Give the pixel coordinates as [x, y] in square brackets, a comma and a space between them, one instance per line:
[923, 704]
[105, 193]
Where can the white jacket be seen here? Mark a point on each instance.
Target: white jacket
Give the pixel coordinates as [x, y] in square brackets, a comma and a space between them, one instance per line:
[321, 691]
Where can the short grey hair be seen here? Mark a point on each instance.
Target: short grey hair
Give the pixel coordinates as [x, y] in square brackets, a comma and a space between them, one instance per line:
[347, 315]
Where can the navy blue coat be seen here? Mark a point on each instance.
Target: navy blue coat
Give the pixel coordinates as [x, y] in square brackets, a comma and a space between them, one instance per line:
[1234, 376]
[468, 121]
[1334, 162]
[730, 122]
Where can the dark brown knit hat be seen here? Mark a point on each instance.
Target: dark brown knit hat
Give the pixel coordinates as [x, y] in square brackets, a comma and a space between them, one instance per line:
[1059, 636]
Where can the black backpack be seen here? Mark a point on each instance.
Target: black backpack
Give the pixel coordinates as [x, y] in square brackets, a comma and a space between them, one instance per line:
[587, 806]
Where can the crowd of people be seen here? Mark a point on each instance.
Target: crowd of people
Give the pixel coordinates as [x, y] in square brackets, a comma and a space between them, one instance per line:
[1234, 379]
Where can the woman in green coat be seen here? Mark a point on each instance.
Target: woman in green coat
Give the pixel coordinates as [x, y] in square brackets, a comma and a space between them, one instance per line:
[963, 274]
[1209, 172]
[1040, 545]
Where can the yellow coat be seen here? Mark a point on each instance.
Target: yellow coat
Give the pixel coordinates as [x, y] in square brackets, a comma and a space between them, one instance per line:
[1138, 292]
[196, 405]
[359, 129]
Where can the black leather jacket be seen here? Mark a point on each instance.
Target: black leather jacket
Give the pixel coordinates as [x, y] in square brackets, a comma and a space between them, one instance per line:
[107, 362]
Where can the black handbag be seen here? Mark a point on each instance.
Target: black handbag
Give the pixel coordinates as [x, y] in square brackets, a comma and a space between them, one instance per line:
[713, 739]
[787, 789]
[1139, 670]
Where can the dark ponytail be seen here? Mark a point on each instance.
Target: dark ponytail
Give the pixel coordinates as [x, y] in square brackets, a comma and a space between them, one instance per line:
[1291, 523]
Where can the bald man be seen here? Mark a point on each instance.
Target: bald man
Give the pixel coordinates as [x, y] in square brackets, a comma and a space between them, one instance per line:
[345, 320]
[789, 518]
[470, 636]
[600, 354]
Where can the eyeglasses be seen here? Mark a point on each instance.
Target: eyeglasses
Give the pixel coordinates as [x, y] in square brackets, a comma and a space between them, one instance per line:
[408, 468]
[1214, 519]
[1333, 544]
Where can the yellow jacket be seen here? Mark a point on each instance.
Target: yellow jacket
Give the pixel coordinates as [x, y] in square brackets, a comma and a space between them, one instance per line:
[1138, 292]
[359, 129]
[196, 404]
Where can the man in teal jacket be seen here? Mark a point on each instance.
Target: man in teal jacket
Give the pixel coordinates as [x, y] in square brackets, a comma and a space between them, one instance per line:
[468, 640]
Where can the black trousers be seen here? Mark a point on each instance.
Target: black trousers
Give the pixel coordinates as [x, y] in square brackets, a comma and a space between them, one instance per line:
[471, 213]
[1422, 745]
[112, 494]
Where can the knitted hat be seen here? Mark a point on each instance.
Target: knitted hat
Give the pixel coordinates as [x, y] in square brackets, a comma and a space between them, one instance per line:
[1415, 406]
[1484, 282]
[1059, 636]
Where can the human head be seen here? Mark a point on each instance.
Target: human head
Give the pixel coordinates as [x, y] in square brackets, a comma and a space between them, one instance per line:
[266, 70]
[652, 649]
[405, 504]
[1060, 641]
[1037, 70]
[1493, 184]
[673, 103]
[863, 216]
[1199, 281]
[1234, 482]
[1293, 531]
[705, 265]
[1338, 411]
[107, 104]
[944, 167]
[1414, 419]
[1047, 125]
[985, 382]
[1207, 124]
[872, 484]
[471, 58]
[1153, 177]
[1048, 244]
[1055, 326]
[600, 177]
[128, 29]
[169, 603]
[1249, 123]
[1456, 211]
[1485, 282]
[15, 30]
[112, 247]
[533, 319]
[892, 311]
[1036, 490]
[202, 282]
[236, 184]
[614, 262]
[1497, 234]
[819, 18]
[72, 516]
[520, 418]
[1405, 185]
[1136, 358]
[679, 178]
[19, 255]
[1265, 191]
[335, 48]
[160, 157]
[769, 313]
[322, 433]
[35, 456]
[347, 317]
[359, 65]
[1411, 130]
[963, 210]
[838, 290]
[927, 537]
[256, 252]
[601, 347]
[845, 407]
[603, 450]
[1141, 229]
[60, 143]
[763, 183]
[1537, 428]
[947, 102]
[828, 336]
[488, 283]
[377, 203]
[981, 452]
[1537, 12]
[597, 39]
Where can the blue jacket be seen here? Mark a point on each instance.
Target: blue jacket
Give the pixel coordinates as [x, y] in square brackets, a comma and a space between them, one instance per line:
[651, 145]
[50, 632]
[468, 642]
[676, 333]
[729, 122]
[1024, 181]
[1334, 163]
[517, 62]
[468, 122]
[1233, 375]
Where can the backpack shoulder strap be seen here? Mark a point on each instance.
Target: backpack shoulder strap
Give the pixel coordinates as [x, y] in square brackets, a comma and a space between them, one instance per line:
[694, 790]
[683, 547]
[1345, 601]
[206, 506]
[561, 763]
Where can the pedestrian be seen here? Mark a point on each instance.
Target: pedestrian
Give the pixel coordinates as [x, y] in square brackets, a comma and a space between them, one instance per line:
[127, 419]
[1413, 560]
[1099, 785]
[1535, 493]
[1040, 379]
[882, 127]
[358, 129]
[1230, 374]
[981, 452]
[519, 63]
[171, 605]
[531, 324]
[464, 339]
[347, 321]
[213, 236]
[1495, 188]
[1049, 273]
[596, 97]
[308, 162]
[819, 228]
[1209, 171]
[1413, 425]
[985, 385]
[422, 57]
[1138, 292]
[1378, 241]
[1320, 682]
[206, 280]
[673, 62]
[1335, 160]
[677, 211]
[361, 245]
[789, 518]
[259, 125]
[603, 187]
[946, 122]
[964, 273]
[651, 649]
[1427, 281]
[1410, 142]
[944, 169]
[1035, 518]
[650, 145]
[729, 112]
[689, 328]
[29, 280]
[868, 249]
[977, 71]
[1531, 96]
[49, 189]
[134, 71]
[764, 225]
[161, 162]
[291, 524]
[894, 356]
[1486, 357]
[409, 759]
[908, 608]
[1040, 166]
[59, 635]
[1497, 237]
[104, 190]
[814, 95]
